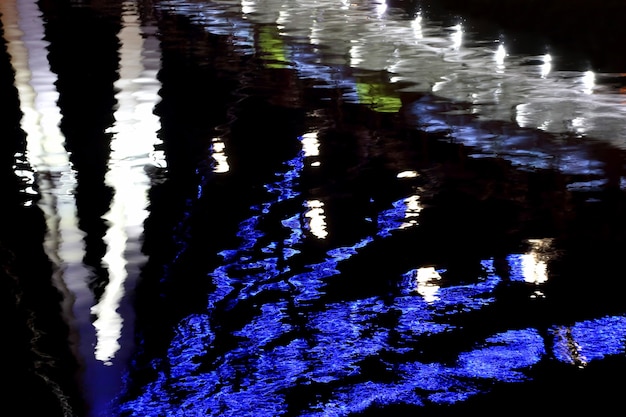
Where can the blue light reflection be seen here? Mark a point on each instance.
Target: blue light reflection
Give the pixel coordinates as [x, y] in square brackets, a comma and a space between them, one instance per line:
[280, 334]
[294, 340]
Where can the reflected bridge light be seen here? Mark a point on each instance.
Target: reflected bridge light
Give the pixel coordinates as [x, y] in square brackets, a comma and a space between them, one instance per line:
[412, 210]
[283, 17]
[407, 174]
[535, 261]
[248, 6]
[219, 156]
[317, 219]
[546, 67]
[579, 126]
[356, 53]
[589, 81]
[381, 8]
[416, 24]
[532, 266]
[315, 30]
[499, 56]
[457, 37]
[310, 144]
[427, 283]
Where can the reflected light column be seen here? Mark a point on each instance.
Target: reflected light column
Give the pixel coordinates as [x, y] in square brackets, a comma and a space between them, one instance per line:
[46, 154]
[132, 148]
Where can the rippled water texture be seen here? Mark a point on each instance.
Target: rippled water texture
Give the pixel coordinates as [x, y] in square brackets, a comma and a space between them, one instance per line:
[307, 208]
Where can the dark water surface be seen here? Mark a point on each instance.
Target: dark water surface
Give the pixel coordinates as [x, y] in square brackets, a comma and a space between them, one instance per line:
[297, 208]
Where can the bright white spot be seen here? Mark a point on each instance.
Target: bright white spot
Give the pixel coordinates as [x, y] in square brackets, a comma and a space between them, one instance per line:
[317, 222]
[407, 174]
[426, 283]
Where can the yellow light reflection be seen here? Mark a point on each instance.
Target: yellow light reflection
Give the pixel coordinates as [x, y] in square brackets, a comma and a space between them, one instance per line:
[317, 219]
[426, 283]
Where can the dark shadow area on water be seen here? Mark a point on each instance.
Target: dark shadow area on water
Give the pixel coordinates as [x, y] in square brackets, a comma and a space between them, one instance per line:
[83, 53]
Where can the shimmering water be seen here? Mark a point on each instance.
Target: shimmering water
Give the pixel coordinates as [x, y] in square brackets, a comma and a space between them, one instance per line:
[264, 208]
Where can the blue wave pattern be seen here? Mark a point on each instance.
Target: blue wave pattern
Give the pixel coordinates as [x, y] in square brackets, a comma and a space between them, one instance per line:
[289, 350]
[297, 349]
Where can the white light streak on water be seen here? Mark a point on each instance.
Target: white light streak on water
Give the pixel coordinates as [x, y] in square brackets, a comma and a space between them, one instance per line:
[426, 283]
[310, 144]
[219, 155]
[132, 146]
[434, 60]
[49, 160]
[317, 219]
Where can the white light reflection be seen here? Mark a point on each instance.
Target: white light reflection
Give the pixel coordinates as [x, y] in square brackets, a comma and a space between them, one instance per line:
[408, 174]
[413, 208]
[46, 155]
[317, 219]
[589, 81]
[356, 53]
[45, 151]
[315, 31]
[426, 283]
[219, 156]
[499, 57]
[283, 17]
[310, 144]
[532, 266]
[579, 126]
[421, 60]
[457, 37]
[416, 24]
[248, 7]
[131, 150]
[310, 147]
[381, 8]
[524, 116]
[546, 67]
